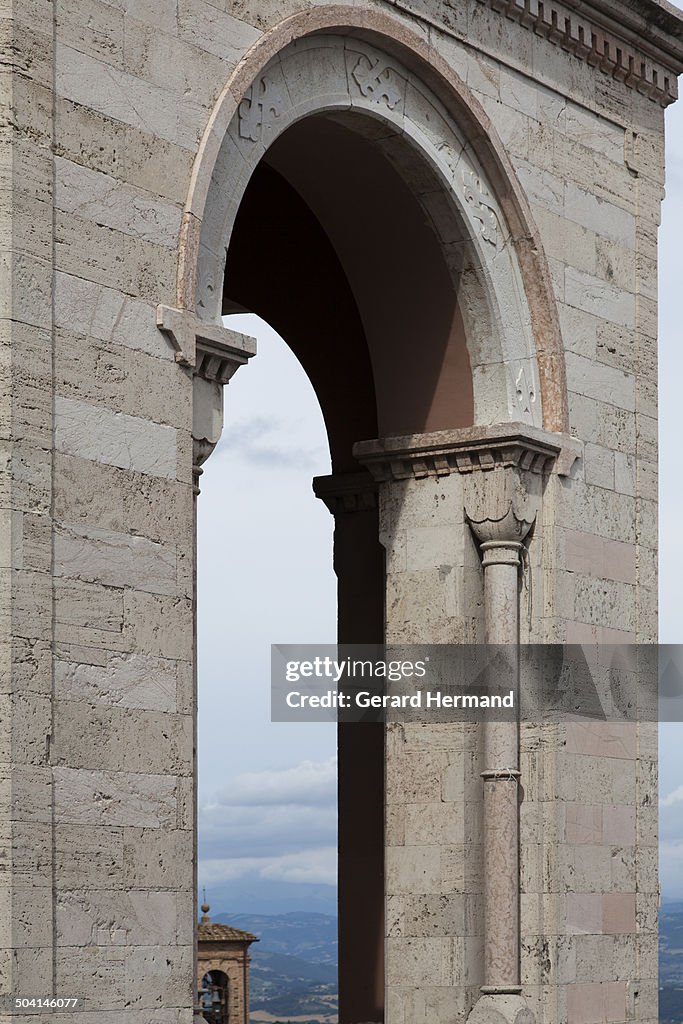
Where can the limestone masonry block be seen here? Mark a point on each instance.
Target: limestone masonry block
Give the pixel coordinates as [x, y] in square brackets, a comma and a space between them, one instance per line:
[115, 439]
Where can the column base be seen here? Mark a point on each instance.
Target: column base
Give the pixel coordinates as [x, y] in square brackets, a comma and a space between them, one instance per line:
[501, 1008]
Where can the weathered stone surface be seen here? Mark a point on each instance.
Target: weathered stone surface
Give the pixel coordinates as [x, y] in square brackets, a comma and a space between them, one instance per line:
[99, 197]
[115, 439]
[93, 555]
[115, 798]
[126, 681]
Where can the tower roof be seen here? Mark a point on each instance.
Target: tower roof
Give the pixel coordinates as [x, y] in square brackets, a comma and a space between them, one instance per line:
[223, 933]
[209, 932]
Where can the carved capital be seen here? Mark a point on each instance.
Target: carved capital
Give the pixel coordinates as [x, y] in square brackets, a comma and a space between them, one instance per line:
[346, 493]
[501, 507]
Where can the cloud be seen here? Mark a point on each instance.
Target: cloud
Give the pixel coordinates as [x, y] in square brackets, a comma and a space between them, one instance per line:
[310, 782]
[674, 797]
[671, 867]
[315, 867]
[273, 822]
[257, 440]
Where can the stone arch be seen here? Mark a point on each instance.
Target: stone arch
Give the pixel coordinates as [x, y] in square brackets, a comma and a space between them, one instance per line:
[370, 77]
[387, 74]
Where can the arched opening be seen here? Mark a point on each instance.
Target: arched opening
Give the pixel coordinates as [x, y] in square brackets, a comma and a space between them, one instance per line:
[266, 790]
[214, 998]
[331, 246]
[390, 246]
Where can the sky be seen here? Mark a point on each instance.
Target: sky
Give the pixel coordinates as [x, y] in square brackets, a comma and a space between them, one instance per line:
[670, 496]
[267, 810]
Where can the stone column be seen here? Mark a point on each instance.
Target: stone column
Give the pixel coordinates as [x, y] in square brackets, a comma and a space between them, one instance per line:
[213, 354]
[500, 513]
[359, 565]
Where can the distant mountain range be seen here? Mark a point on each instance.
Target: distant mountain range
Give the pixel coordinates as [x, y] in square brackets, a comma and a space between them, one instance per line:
[671, 962]
[253, 895]
[311, 937]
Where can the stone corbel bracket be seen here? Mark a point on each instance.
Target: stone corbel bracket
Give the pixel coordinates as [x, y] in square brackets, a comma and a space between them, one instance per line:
[214, 354]
[507, 445]
[346, 493]
[212, 351]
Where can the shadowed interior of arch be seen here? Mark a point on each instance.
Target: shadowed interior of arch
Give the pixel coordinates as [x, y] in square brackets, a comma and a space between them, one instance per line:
[334, 248]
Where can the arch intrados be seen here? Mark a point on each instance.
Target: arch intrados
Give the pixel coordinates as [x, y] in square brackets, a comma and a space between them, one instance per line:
[395, 39]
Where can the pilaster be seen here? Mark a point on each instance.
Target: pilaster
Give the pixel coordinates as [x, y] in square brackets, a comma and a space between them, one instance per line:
[443, 496]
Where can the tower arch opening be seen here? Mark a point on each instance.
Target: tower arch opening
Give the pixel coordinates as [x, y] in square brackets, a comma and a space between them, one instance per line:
[348, 209]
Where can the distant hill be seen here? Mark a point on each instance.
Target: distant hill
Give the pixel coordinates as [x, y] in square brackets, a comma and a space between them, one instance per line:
[293, 967]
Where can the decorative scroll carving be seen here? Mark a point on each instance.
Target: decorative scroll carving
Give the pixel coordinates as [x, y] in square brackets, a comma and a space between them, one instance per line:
[376, 81]
[482, 207]
[262, 104]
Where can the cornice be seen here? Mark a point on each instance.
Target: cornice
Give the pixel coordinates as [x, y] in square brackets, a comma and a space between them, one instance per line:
[638, 42]
[467, 450]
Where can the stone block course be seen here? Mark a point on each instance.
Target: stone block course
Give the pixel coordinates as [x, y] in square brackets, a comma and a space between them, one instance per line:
[109, 257]
[94, 195]
[148, 506]
[94, 555]
[599, 215]
[115, 798]
[101, 737]
[115, 439]
[89, 615]
[94, 28]
[88, 310]
[122, 680]
[124, 97]
[100, 142]
[601, 298]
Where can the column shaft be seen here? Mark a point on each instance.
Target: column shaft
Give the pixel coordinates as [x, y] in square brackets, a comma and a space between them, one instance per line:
[501, 560]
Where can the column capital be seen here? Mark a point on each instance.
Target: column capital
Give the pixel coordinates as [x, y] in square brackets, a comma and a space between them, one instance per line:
[467, 450]
[347, 493]
[501, 507]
